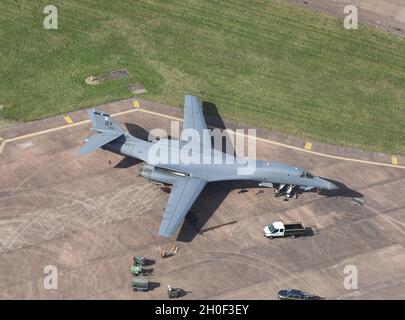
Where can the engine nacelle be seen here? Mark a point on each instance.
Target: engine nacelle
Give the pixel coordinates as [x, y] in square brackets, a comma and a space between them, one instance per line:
[160, 175]
[306, 188]
[266, 184]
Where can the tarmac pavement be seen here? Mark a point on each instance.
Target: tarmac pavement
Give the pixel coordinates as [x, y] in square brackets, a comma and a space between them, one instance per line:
[89, 216]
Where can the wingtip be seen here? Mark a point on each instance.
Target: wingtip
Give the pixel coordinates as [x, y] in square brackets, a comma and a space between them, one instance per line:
[165, 235]
[81, 152]
[166, 232]
[190, 96]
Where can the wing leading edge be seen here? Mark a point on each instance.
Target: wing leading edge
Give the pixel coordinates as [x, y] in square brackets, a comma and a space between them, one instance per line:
[184, 193]
[194, 119]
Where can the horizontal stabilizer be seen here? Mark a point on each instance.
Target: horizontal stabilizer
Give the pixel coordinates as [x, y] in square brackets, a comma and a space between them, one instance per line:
[98, 140]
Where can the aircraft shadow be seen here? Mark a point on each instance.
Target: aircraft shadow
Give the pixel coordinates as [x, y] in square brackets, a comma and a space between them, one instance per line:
[137, 131]
[127, 162]
[141, 133]
[343, 191]
[207, 203]
[216, 192]
[212, 116]
[214, 119]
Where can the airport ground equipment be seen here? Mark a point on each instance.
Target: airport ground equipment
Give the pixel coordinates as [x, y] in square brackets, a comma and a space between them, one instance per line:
[280, 229]
[139, 260]
[138, 270]
[174, 292]
[165, 254]
[140, 284]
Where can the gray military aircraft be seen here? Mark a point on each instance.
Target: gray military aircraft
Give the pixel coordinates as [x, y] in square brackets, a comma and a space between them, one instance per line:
[188, 178]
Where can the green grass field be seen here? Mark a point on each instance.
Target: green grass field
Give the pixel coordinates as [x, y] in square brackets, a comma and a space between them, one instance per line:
[261, 62]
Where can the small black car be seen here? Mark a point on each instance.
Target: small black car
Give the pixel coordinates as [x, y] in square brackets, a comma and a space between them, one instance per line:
[293, 294]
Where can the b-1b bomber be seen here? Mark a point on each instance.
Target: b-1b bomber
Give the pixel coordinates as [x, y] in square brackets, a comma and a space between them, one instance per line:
[188, 178]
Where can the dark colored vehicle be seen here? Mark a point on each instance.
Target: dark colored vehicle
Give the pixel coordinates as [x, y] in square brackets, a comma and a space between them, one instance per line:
[294, 294]
[139, 260]
[140, 284]
[174, 292]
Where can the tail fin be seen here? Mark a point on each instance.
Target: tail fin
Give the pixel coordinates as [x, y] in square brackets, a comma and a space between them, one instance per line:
[106, 131]
[102, 122]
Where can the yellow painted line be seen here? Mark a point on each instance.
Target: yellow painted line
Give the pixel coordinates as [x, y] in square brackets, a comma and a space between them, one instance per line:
[241, 134]
[159, 114]
[308, 146]
[394, 160]
[68, 120]
[34, 134]
[38, 133]
[289, 146]
[329, 155]
[135, 104]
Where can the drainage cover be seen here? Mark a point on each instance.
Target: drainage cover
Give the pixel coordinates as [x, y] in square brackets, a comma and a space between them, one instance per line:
[25, 145]
[136, 88]
[358, 202]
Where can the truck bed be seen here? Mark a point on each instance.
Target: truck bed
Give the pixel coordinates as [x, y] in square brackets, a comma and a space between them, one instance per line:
[293, 226]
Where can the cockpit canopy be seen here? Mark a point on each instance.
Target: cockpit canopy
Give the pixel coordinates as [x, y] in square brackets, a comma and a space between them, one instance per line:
[306, 175]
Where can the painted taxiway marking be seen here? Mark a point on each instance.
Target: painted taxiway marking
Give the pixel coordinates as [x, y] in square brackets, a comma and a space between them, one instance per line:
[74, 124]
[179, 119]
[394, 160]
[308, 146]
[38, 133]
[2, 144]
[135, 104]
[290, 146]
[68, 119]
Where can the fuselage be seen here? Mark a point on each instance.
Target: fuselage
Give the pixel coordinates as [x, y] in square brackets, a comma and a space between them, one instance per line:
[176, 157]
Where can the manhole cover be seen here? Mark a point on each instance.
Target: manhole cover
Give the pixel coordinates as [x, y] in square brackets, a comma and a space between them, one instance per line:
[113, 75]
[358, 202]
[25, 145]
[119, 74]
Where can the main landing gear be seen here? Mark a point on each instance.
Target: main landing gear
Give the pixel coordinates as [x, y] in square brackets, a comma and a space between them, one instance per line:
[288, 190]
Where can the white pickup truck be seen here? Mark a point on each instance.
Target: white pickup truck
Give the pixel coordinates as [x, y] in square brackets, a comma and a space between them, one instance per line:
[284, 229]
